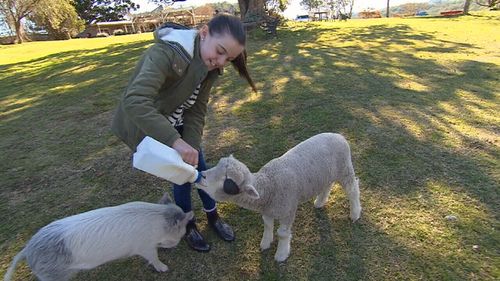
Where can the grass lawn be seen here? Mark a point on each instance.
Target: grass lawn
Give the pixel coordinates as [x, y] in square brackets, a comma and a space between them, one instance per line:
[418, 99]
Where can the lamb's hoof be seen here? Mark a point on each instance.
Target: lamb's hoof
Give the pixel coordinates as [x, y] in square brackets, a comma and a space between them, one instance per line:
[319, 204]
[161, 267]
[281, 257]
[264, 246]
[355, 215]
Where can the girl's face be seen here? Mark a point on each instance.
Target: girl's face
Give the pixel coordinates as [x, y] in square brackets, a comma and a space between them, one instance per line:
[218, 49]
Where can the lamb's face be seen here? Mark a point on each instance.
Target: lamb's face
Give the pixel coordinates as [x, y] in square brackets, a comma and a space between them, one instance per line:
[228, 179]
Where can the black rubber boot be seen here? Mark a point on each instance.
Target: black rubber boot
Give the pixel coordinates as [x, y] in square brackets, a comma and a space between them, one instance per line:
[194, 238]
[222, 229]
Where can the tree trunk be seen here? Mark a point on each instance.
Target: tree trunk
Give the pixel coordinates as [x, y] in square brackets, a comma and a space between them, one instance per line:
[387, 13]
[467, 6]
[243, 7]
[20, 35]
[251, 9]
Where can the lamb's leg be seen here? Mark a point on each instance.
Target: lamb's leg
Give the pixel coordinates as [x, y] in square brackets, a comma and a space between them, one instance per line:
[322, 197]
[267, 236]
[285, 237]
[151, 255]
[351, 187]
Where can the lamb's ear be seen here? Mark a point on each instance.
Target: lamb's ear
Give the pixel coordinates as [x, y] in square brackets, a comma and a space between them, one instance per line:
[165, 199]
[249, 190]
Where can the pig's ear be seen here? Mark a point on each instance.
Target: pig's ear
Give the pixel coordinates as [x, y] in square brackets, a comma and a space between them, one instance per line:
[183, 218]
[189, 216]
[250, 190]
[165, 199]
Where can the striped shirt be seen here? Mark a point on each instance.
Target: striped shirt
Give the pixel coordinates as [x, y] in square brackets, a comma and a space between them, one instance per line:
[176, 118]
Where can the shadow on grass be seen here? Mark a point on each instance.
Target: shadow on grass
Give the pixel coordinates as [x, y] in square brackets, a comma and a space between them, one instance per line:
[46, 99]
[60, 159]
[55, 114]
[355, 91]
[402, 136]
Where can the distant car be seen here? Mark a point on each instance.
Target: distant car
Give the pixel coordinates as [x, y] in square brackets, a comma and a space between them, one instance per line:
[302, 18]
[421, 13]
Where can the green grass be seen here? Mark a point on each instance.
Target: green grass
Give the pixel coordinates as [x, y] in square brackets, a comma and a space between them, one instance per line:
[417, 99]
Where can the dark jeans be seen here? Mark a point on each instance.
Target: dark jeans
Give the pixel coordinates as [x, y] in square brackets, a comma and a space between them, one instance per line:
[182, 193]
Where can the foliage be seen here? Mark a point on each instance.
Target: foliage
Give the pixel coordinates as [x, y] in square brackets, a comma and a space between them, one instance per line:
[103, 10]
[224, 6]
[4, 27]
[341, 7]
[488, 3]
[311, 4]
[253, 11]
[277, 5]
[435, 7]
[410, 8]
[14, 12]
[338, 8]
[369, 14]
[58, 18]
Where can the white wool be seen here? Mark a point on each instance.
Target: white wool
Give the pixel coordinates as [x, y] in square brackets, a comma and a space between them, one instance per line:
[306, 171]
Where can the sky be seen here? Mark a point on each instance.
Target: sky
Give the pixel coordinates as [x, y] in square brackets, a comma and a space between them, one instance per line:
[293, 9]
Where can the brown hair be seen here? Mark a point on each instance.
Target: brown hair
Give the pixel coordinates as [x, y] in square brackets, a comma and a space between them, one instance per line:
[227, 24]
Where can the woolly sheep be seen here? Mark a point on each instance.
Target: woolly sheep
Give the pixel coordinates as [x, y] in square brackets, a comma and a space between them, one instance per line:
[307, 170]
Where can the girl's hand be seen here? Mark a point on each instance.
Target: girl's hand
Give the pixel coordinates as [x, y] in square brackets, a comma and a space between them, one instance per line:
[187, 152]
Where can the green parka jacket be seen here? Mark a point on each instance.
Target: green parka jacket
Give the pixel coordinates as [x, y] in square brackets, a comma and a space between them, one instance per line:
[164, 78]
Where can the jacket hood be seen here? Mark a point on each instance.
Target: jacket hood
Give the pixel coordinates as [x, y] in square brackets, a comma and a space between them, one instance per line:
[184, 37]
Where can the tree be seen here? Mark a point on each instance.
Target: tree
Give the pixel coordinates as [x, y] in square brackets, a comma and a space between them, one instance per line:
[387, 12]
[103, 10]
[487, 3]
[230, 8]
[311, 4]
[467, 6]
[255, 10]
[15, 12]
[252, 10]
[58, 18]
[277, 4]
[341, 7]
[347, 3]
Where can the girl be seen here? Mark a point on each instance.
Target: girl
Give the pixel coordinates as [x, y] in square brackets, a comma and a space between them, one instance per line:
[167, 96]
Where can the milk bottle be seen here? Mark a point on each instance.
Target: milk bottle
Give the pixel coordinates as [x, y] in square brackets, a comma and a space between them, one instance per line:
[163, 161]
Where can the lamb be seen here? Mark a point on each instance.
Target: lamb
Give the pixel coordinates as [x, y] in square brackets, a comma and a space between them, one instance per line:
[307, 170]
[84, 241]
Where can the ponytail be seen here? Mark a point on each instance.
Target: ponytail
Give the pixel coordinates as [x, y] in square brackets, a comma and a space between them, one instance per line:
[227, 24]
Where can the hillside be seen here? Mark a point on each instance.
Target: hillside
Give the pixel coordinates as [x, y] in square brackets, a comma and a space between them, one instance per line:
[433, 7]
